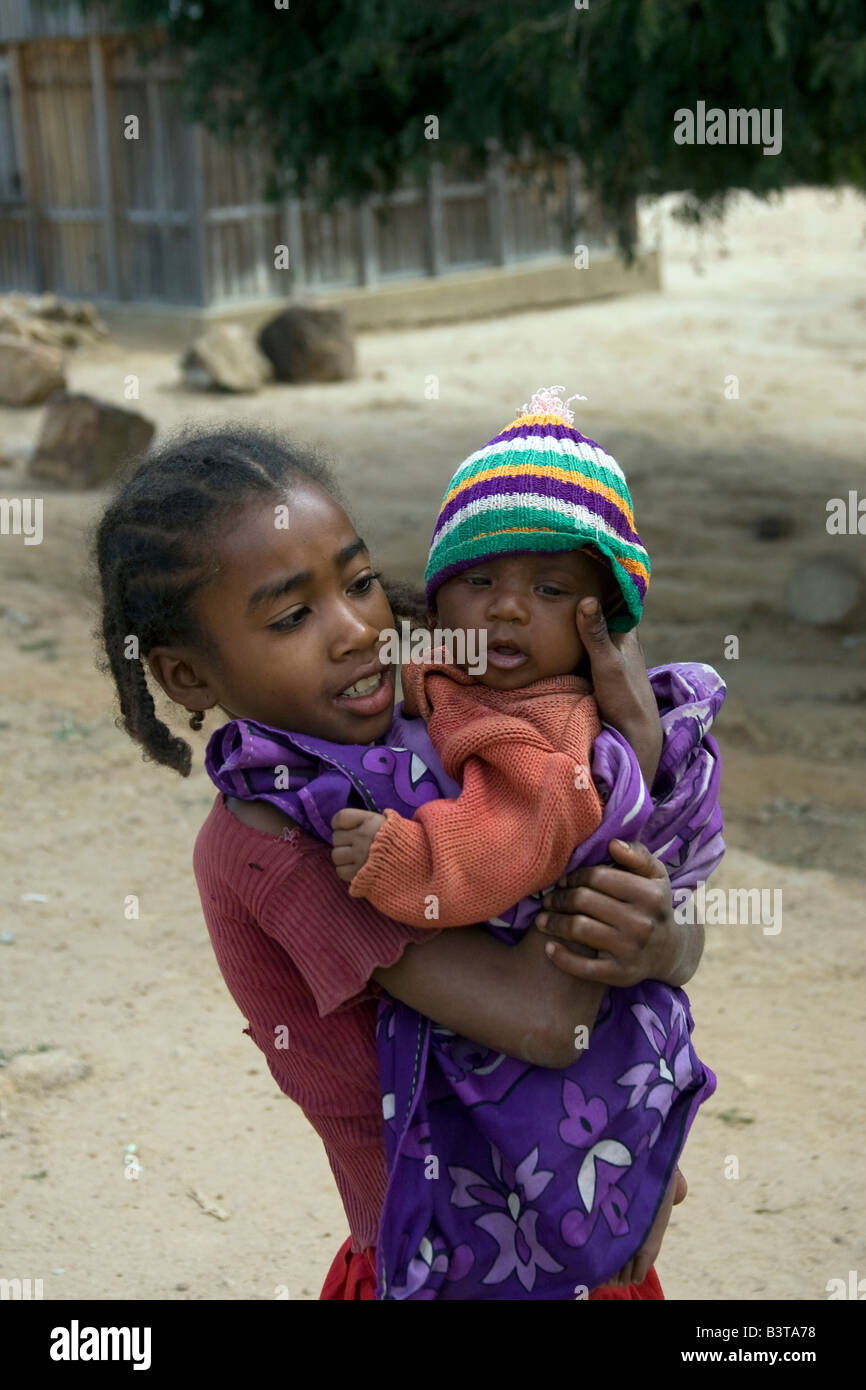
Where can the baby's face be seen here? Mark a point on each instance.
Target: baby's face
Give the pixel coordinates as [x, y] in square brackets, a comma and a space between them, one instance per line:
[526, 605]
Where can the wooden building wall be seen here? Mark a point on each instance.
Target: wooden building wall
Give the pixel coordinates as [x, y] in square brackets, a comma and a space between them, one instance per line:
[174, 217]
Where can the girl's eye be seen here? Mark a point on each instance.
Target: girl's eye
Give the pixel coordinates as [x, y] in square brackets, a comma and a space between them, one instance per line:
[296, 617]
[290, 621]
[365, 583]
[477, 579]
[550, 589]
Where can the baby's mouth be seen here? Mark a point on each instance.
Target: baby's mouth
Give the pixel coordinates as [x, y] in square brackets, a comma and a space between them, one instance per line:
[505, 656]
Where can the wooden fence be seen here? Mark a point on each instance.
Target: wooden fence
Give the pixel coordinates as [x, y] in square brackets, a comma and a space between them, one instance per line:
[106, 192]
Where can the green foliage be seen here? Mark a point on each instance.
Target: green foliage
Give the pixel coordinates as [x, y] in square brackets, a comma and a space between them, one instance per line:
[338, 90]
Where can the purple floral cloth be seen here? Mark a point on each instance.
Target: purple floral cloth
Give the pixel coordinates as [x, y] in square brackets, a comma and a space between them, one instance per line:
[507, 1180]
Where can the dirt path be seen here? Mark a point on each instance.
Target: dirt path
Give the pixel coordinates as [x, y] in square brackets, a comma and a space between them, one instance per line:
[139, 1006]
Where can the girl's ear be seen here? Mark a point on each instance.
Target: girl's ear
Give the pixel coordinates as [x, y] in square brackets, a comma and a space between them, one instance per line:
[175, 670]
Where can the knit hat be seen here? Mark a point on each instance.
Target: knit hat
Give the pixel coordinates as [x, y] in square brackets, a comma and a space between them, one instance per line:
[541, 485]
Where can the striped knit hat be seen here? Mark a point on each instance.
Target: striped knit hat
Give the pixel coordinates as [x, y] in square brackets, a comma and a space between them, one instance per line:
[541, 485]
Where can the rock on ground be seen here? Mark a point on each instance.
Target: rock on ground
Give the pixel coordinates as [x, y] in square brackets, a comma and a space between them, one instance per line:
[824, 591]
[45, 1071]
[46, 318]
[225, 358]
[84, 441]
[309, 342]
[29, 372]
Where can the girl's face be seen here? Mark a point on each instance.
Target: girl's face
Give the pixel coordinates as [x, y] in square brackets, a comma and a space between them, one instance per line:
[527, 606]
[294, 616]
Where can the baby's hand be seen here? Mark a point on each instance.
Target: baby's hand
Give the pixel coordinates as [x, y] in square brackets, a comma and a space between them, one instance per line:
[353, 836]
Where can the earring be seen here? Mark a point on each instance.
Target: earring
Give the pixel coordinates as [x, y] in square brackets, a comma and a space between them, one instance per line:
[196, 720]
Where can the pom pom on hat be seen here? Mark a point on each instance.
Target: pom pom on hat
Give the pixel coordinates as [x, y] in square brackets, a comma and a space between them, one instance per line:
[546, 402]
[541, 485]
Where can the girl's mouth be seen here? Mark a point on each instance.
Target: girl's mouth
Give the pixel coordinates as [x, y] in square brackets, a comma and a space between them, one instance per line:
[369, 695]
[505, 657]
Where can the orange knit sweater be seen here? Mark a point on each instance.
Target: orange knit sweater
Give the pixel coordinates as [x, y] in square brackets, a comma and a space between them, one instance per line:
[522, 757]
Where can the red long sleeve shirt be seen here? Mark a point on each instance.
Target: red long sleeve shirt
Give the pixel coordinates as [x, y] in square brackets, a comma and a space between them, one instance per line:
[297, 953]
[527, 799]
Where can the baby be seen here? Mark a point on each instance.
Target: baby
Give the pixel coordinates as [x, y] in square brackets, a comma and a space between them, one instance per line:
[531, 525]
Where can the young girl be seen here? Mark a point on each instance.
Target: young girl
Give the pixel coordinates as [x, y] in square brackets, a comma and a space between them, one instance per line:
[233, 610]
[508, 561]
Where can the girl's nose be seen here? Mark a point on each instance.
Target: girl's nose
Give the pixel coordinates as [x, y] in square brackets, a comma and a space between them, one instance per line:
[351, 632]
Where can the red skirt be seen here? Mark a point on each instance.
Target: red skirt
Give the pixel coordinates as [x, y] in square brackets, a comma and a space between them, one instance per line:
[352, 1276]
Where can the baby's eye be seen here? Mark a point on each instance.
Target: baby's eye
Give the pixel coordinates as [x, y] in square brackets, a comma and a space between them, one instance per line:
[476, 579]
[550, 589]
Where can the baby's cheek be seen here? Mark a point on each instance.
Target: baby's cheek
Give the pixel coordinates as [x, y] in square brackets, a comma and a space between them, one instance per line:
[458, 611]
[557, 645]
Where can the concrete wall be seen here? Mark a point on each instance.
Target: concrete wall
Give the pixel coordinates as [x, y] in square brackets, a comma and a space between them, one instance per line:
[412, 303]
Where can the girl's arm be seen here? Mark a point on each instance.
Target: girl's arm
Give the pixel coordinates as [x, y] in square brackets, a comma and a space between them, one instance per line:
[512, 999]
[623, 692]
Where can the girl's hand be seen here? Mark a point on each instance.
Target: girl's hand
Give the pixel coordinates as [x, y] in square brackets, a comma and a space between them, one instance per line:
[640, 1265]
[623, 693]
[353, 835]
[624, 916]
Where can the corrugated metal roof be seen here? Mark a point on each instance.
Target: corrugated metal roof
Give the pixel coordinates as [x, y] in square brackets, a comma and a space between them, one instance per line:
[30, 19]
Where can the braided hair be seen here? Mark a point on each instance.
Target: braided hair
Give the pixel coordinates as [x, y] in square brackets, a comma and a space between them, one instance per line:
[154, 549]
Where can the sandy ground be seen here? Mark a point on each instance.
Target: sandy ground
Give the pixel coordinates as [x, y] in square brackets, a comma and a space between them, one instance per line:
[144, 1045]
